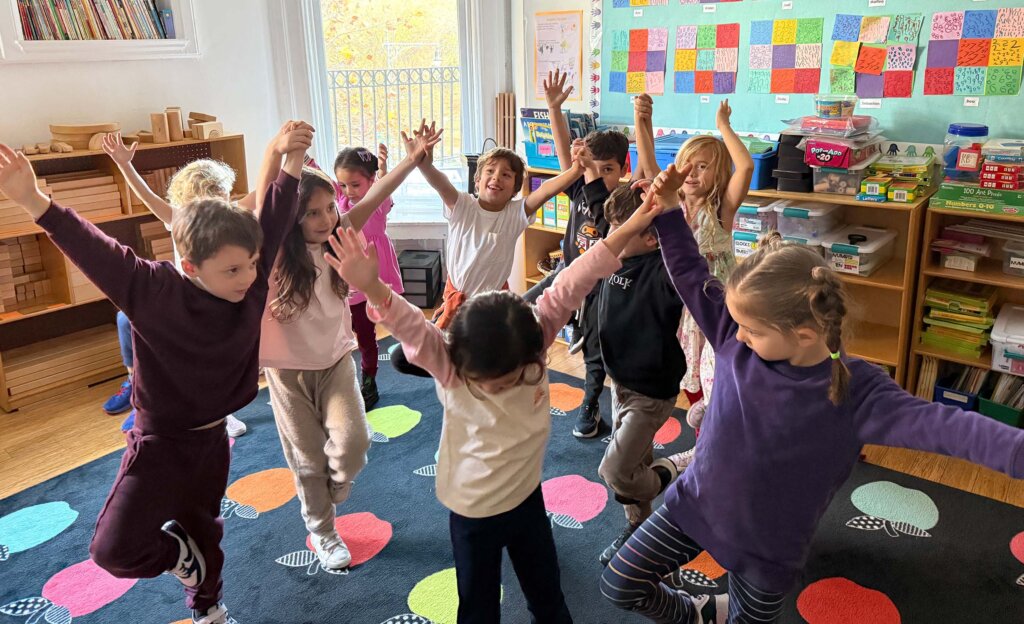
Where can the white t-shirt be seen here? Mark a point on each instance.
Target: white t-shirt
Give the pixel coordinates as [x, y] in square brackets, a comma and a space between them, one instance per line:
[482, 244]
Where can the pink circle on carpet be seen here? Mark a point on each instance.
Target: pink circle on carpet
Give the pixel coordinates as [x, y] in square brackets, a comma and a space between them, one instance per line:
[84, 588]
[364, 533]
[1017, 546]
[669, 431]
[574, 496]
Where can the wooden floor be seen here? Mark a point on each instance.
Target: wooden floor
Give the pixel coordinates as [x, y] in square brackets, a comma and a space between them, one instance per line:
[50, 438]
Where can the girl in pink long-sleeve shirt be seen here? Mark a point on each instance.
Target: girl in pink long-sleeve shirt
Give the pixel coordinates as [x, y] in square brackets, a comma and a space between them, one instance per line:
[491, 378]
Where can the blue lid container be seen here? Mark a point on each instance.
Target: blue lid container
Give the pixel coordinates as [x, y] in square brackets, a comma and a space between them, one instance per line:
[968, 130]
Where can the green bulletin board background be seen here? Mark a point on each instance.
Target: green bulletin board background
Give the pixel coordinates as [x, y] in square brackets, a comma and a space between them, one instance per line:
[919, 118]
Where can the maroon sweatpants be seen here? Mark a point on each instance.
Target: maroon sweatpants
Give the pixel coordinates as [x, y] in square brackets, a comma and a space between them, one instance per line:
[366, 336]
[180, 476]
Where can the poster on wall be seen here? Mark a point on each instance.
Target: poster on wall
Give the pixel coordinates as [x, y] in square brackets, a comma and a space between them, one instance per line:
[558, 45]
[621, 4]
[975, 52]
[785, 55]
[874, 56]
[638, 61]
[705, 1]
[706, 57]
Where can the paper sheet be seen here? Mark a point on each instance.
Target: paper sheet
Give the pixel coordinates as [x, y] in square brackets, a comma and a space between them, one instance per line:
[558, 42]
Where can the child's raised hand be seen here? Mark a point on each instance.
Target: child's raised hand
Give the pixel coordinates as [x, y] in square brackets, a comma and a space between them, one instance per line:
[555, 92]
[643, 108]
[420, 148]
[117, 150]
[579, 153]
[357, 266]
[18, 182]
[382, 160]
[724, 113]
[664, 190]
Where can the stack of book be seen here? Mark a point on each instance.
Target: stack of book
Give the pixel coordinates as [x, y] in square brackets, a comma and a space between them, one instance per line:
[960, 316]
[1009, 391]
[94, 19]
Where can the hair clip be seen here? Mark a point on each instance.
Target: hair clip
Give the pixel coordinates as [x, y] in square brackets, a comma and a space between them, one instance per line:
[364, 154]
[835, 356]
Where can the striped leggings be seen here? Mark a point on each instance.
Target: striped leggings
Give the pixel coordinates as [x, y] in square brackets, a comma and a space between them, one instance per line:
[633, 581]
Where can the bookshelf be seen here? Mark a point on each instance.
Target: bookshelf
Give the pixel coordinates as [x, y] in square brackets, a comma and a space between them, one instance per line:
[14, 48]
[64, 338]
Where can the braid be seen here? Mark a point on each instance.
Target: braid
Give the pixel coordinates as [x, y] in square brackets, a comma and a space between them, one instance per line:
[828, 305]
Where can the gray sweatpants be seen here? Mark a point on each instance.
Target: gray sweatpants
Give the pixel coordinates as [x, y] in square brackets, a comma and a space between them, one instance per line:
[324, 435]
[626, 466]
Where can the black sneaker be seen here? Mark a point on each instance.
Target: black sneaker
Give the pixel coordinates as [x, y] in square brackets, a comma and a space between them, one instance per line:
[191, 567]
[609, 553]
[588, 422]
[369, 389]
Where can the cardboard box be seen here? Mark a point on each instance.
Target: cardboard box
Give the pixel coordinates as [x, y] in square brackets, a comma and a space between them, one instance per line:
[972, 198]
[562, 211]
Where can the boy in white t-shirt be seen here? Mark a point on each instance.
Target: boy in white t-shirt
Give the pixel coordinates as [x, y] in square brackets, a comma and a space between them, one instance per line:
[482, 229]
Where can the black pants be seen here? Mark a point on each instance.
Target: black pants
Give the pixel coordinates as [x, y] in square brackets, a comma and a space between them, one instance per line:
[588, 324]
[525, 532]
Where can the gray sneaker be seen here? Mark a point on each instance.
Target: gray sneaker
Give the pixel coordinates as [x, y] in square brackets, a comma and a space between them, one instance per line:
[683, 460]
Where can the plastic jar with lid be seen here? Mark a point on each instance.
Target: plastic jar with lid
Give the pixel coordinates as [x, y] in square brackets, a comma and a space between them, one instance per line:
[961, 136]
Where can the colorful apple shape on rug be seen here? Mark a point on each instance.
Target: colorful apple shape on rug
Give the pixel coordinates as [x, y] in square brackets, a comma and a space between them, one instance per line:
[75, 591]
[564, 398]
[364, 533]
[572, 500]
[257, 493]
[703, 572]
[894, 509]
[434, 600]
[1017, 549]
[668, 433]
[31, 526]
[841, 601]
[391, 422]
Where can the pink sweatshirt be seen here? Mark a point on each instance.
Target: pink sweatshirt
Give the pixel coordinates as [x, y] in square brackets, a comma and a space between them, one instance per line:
[492, 445]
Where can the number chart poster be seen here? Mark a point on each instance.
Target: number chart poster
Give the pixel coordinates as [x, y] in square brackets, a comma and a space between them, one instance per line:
[874, 56]
[975, 52]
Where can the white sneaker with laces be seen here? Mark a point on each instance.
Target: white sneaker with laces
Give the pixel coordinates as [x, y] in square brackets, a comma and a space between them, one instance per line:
[683, 460]
[235, 427]
[332, 551]
[217, 614]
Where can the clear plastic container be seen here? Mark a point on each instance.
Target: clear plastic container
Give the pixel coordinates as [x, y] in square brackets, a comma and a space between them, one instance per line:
[1013, 258]
[834, 106]
[959, 137]
[744, 243]
[810, 242]
[808, 220]
[859, 249]
[1008, 340]
[841, 181]
[756, 219]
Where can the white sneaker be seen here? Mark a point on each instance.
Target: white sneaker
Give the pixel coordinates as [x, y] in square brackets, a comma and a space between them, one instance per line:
[235, 427]
[332, 551]
[217, 614]
[683, 460]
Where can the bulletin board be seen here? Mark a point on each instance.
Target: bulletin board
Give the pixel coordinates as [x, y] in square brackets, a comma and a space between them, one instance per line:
[899, 63]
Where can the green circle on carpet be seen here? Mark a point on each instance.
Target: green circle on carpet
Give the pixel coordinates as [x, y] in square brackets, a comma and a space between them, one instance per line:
[393, 420]
[437, 597]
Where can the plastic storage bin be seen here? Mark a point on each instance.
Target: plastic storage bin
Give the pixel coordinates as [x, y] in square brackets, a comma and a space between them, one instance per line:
[841, 181]
[956, 398]
[1013, 258]
[541, 155]
[756, 219]
[1003, 413]
[764, 164]
[859, 249]
[834, 106]
[665, 149]
[807, 220]
[1008, 340]
[808, 241]
[963, 137]
[744, 243]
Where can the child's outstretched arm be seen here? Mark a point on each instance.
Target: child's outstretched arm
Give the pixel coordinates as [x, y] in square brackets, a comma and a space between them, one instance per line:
[643, 114]
[552, 187]
[686, 266]
[438, 180]
[379, 192]
[122, 156]
[270, 167]
[422, 341]
[555, 95]
[280, 204]
[739, 183]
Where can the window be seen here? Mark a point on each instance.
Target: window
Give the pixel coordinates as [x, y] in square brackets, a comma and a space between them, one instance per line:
[390, 63]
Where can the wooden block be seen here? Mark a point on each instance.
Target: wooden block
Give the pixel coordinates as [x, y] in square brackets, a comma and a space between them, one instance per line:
[89, 129]
[96, 141]
[61, 146]
[174, 124]
[145, 136]
[44, 148]
[128, 139]
[201, 116]
[99, 189]
[27, 238]
[208, 130]
[29, 150]
[161, 133]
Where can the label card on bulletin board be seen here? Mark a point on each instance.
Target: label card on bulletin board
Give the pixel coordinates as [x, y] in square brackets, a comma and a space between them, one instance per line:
[975, 53]
[558, 46]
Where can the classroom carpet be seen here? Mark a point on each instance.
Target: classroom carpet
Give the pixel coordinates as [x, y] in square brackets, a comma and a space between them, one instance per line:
[891, 548]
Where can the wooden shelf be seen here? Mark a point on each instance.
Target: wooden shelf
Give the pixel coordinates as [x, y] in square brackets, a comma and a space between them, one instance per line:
[24, 230]
[143, 147]
[875, 343]
[533, 280]
[989, 271]
[537, 227]
[890, 276]
[982, 361]
[843, 200]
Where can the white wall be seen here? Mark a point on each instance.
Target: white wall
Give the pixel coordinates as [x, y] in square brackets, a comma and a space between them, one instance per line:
[233, 79]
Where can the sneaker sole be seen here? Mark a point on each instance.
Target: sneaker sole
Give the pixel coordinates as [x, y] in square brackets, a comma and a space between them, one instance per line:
[111, 413]
[198, 556]
[591, 434]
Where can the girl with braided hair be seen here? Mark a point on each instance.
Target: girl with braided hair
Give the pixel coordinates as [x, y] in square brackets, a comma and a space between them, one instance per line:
[789, 414]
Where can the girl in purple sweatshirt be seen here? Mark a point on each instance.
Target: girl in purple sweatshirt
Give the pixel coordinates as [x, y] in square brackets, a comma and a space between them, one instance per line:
[789, 415]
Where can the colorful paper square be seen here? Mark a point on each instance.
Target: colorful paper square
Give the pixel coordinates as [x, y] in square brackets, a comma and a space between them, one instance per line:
[705, 82]
[844, 53]
[725, 82]
[898, 84]
[637, 61]
[871, 60]
[638, 39]
[900, 57]
[783, 80]
[1010, 23]
[684, 82]
[1006, 52]
[620, 40]
[726, 59]
[783, 33]
[980, 24]
[874, 29]
[808, 56]
[948, 25]
[636, 82]
[728, 36]
[760, 57]
[686, 37]
[870, 86]
[973, 52]
[842, 81]
[686, 60]
[807, 80]
[705, 60]
[942, 52]
[759, 81]
[656, 60]
[761, 32]
[1002, 81]
[939, 80]
[905, 28]
[620, 60]
[707, 35]
[847, 28]
[784, 56]
[655, 82]
[969, 81]
[657, 39]
[617, 82]
[808, 29]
